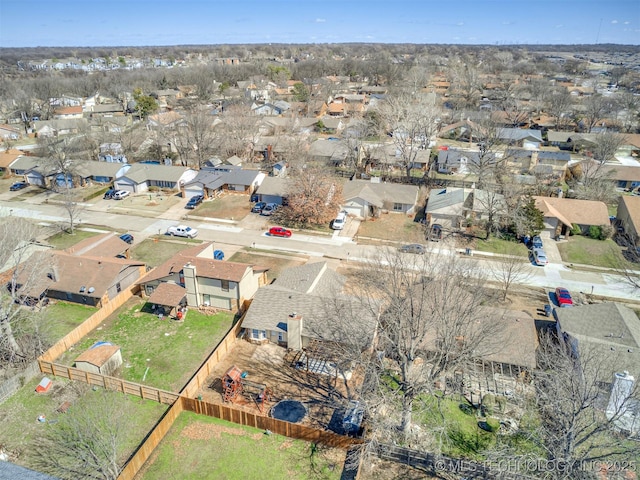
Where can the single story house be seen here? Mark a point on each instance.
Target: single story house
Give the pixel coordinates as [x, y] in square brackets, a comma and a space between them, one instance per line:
[624, 176]
[7, 132]
[108, 245]
[210, 181]
[55, 128]
[274, 190]
[139, 177]
[461, 161]
[366, 199]
[448, 206]
[560, 214]
[528, 160]
[328, 151]
[571, 140]
[305, 297]
[7, 157]
[531, 139]
[103, 358]
[629, 216]
[207, 282]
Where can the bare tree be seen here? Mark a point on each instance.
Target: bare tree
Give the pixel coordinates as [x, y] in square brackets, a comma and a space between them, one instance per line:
[596, 108]
[89, 442]
[628, 105]
[16, 236]
[560, 106]
[237, 133]
[412, 121]
[510, 268]
[196, 139]
[431, 323]
[579, 425]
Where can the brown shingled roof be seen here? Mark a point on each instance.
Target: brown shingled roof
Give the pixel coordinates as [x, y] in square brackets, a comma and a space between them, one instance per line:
[104, 245]
[169, 294]
[571, 210]
[99, 355]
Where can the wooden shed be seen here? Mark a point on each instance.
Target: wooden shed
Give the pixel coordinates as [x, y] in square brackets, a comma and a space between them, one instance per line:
[103, 358]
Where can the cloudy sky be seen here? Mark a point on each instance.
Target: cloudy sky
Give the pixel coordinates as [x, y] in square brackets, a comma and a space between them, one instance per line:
[31, 23]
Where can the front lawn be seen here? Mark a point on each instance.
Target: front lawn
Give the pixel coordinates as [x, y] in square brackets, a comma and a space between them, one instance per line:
[162, 353]
[20, 425]
[587, 251]
[63, 240]
[502, 247]
[228, 207]
[396, 227]
[206, 447]
[275, 263]
[157, 250]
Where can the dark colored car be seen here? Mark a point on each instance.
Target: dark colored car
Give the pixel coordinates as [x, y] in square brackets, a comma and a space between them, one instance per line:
[279, 232]
[413, 248]
[126, 237]
[564, 297]
[194, 201]
[108, 195]
[536, 242]
[435, 232]
[18, 186]
[257, 208]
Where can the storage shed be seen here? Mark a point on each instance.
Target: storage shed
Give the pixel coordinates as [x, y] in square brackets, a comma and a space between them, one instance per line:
[102, 357]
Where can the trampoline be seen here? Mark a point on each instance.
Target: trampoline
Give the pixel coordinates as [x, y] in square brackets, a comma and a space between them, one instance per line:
[289, 410]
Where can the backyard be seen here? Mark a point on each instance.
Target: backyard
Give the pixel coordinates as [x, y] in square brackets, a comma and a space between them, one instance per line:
[205, 447]
[160, 352]
[62, 317]
[20, 425]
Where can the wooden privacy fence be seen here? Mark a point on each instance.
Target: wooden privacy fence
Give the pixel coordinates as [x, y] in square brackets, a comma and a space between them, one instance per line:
[89, 324]
[110, 383]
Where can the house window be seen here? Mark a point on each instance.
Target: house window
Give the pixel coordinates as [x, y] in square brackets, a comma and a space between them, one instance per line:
[181, 278]
[258, 334]
[280, 337]
[206, 299]
[149, 289]
[397, 207]
[118, 287]
[224, 284]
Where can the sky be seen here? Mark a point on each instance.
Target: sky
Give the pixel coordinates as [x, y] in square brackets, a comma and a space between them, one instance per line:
[93, 23]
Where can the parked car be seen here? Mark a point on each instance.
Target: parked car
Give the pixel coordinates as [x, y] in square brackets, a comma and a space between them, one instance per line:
[563, 297]
[126, 237]
[339, 221]
[18, 186]
[257, 208]
[279, 232]
[435, 232]
[120, 194]
[194, 201]
[536, 242]
[539, 257]
[413, 248]
[108, 195]
[269, 209]
[182, 231]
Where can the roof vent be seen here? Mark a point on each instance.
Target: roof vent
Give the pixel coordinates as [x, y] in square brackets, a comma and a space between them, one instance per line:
[82, 289]
[91, 290]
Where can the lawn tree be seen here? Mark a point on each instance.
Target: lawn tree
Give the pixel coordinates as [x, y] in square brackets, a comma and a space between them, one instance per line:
[509, 268]
[412, 121]
[18, 342]
[528, 220]
[237, 133]
[431, 323]
[71, 206]
[489, 165]
[595, 109]
[575, 429]
[145, 104]
[87, 442]
[314, 197]
[196, 138]
[466, 83]
[491, 206]
[560, 107]
[629, 104]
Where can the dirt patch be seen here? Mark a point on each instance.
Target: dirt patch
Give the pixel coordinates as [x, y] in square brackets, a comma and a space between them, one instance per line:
[207, 431]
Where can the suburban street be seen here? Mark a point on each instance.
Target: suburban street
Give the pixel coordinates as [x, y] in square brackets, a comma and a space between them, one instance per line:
[344, 248]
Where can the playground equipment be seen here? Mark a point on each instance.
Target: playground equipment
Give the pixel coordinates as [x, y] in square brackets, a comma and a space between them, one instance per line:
[235, 383]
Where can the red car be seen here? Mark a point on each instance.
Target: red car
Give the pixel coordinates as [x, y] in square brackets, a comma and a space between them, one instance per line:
[564, 297]
[279, 232]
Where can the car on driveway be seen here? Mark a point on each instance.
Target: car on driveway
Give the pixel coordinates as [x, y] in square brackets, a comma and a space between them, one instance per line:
[539, 257]
[563, 297]
[120, 194]
[108, 195]
[18, 186]
[257, 208]
[279, 232]
[194, 201]
[269, 209]
[182, 231]
[435, 232]
[536, 242]
[413, 248]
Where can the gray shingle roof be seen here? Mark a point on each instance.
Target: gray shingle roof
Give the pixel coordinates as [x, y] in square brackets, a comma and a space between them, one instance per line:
[11, 471]
[391, 192]
[141, 172]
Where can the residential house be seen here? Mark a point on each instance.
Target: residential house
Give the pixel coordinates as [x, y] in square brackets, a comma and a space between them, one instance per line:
[112, 153]
[531, 139]
[571, 140]
[609, 329]
[55, 128]
[448, 207]
[65, 113]
[539, 161]
[328, 151]
[461, 161]
[165, 120]
[11, 470]
[90, 171]
[560, 214]
[140, 177]
[307, 297]
[365, 199]
[7, 132]
[108, 245]
[207, 282]
[626, 177]
[81, 279]
[629, 217]
[274, 190]
[211, 181]
[7, 157]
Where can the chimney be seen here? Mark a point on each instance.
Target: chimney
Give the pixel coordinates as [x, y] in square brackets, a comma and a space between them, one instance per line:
[294, 331]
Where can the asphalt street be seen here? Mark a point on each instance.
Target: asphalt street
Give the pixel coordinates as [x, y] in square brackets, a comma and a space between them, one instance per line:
[336, 246]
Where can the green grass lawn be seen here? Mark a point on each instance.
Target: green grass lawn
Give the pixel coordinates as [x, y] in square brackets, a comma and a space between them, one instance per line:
[155, 251]
[393, 227]
[587, 251]
[64, 240]
[275, 263]
[162, 353]
[208, 448]
[62, 317]
[500, 246]
[19, 414]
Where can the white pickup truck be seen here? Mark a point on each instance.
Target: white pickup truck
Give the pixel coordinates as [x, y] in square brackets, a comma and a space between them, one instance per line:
[182, 231]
